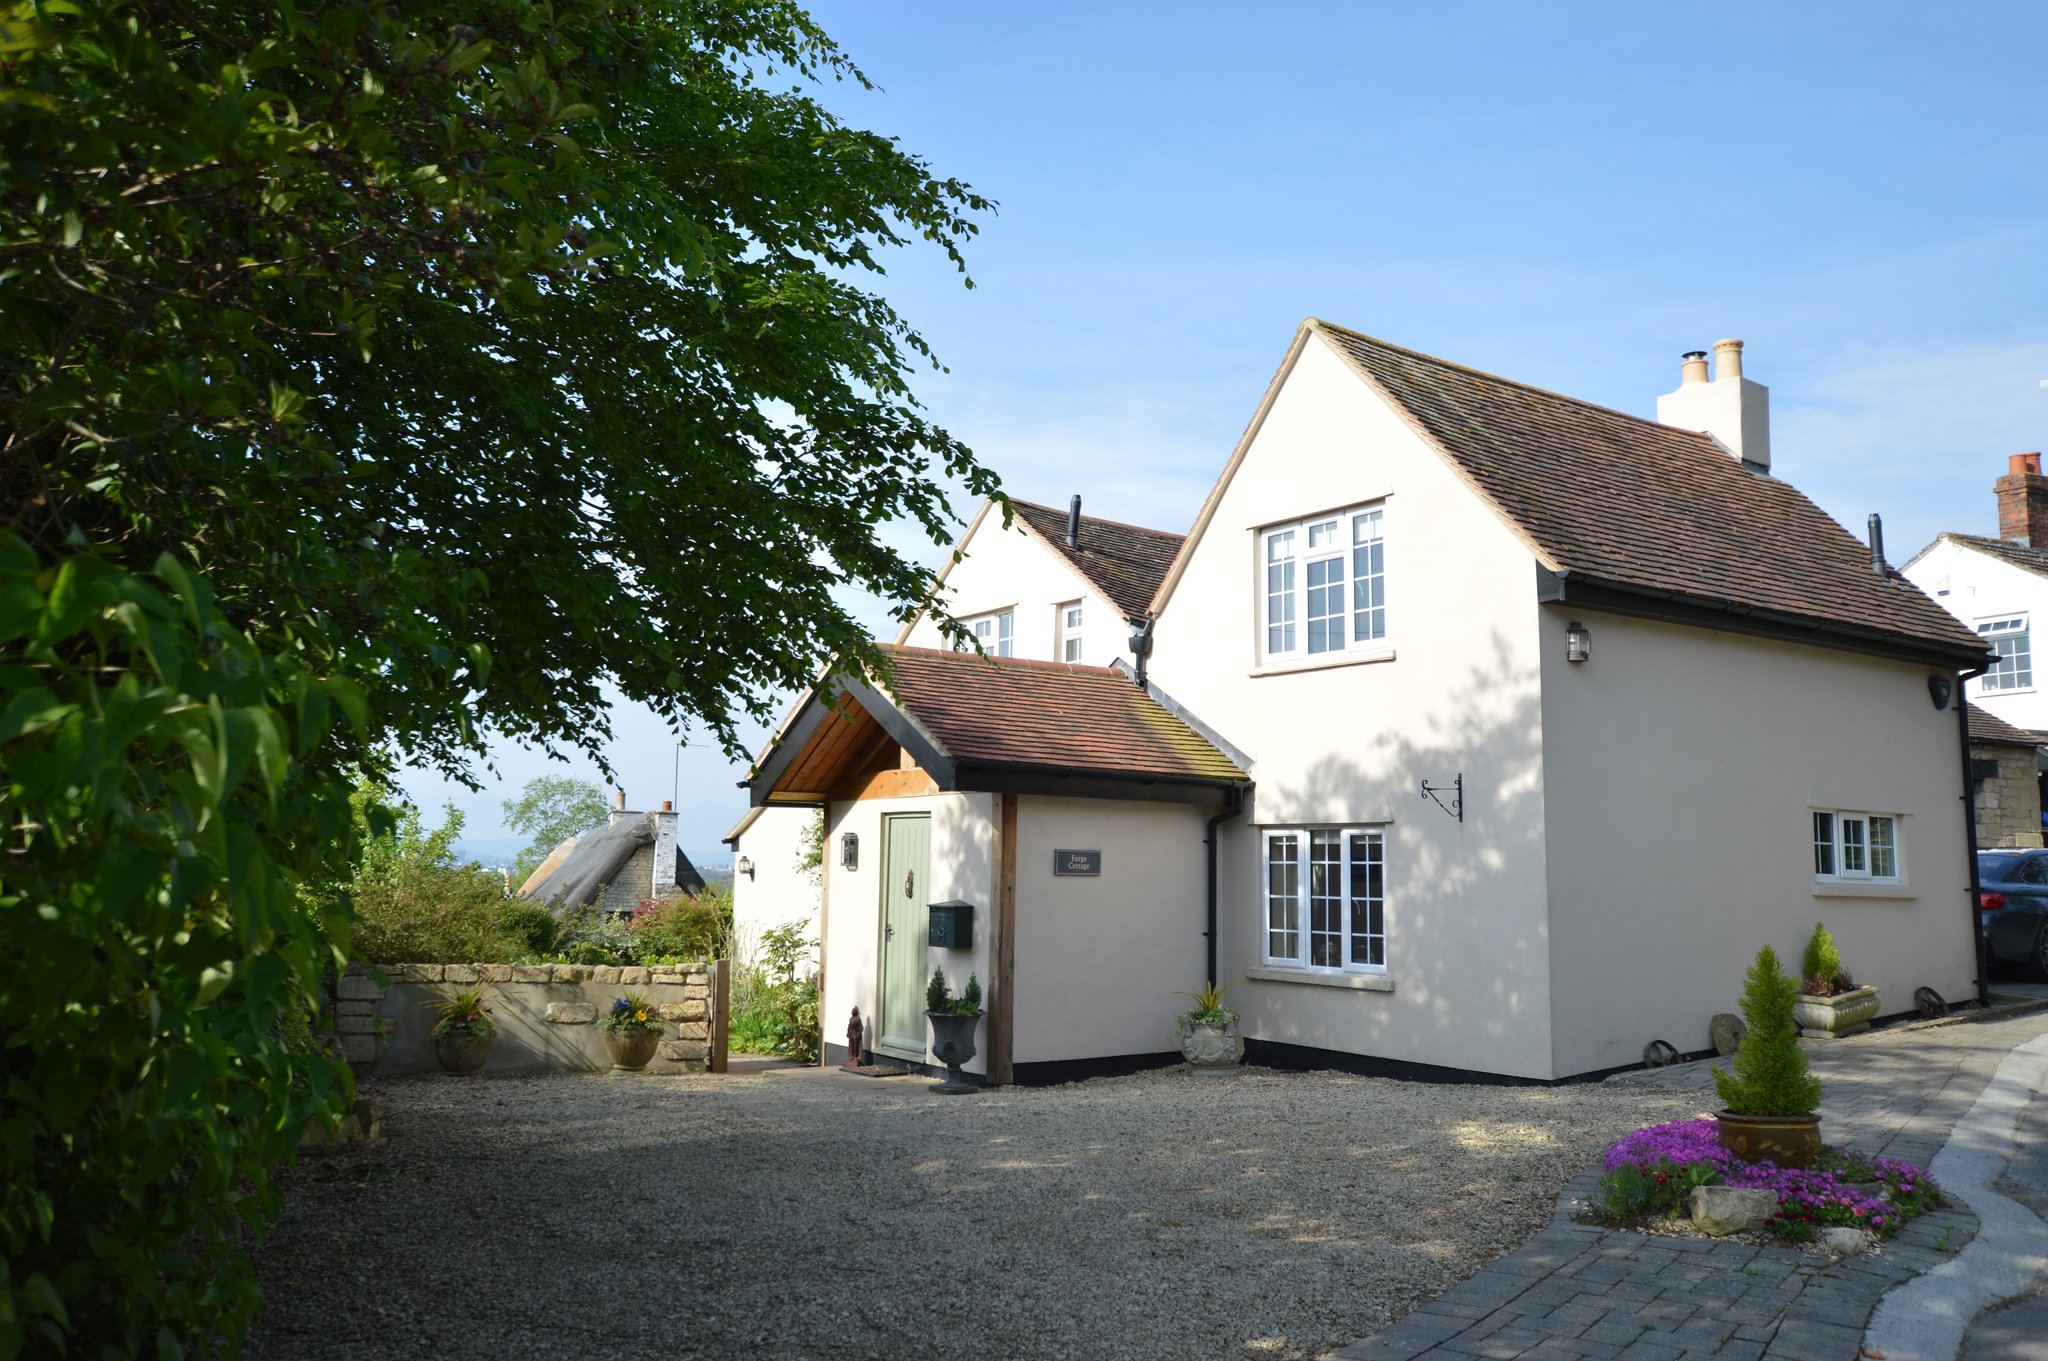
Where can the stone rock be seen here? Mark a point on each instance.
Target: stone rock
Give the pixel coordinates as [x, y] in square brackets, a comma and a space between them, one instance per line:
[633, 973]
[1722, 1210]
[356, 1025]
[699, 1031]
[1843, 1241]
[359, 1048]
[415, 973]
[664, 973]
[572, 973]
[604, 973]
[358, 988]
[532, 973]
[680, 1051]
[1727, 1030]
[495, 973]
[355, 1007]
[571, 1013]
[459, 973]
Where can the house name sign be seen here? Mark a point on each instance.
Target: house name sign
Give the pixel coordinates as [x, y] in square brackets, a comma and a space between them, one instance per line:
[1076, 862]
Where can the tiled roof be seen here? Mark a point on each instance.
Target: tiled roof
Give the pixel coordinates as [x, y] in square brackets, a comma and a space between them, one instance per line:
[1646, 506]
[2005, 550]
[1989, 727]
[1124, 562]
[1007, 711]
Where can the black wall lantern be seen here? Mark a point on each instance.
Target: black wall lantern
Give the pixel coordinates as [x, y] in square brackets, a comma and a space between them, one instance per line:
[1578, 642]
[1939, 688]
[849, 851]
[745, 865]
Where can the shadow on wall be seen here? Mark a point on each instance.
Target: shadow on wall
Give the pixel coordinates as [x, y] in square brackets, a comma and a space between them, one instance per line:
[1467, 938]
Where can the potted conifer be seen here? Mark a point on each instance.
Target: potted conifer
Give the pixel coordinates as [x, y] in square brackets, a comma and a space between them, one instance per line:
[1830, 1004]
[953, 1024]
[1772, 1101]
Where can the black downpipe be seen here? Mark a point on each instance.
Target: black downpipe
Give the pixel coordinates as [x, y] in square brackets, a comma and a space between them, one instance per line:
[1970, 835]
[1235, 807]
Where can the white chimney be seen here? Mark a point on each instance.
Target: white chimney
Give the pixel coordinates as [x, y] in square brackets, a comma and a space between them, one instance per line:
[1732, 409]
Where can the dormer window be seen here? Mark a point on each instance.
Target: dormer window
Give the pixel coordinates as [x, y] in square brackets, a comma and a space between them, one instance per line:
[1325, 585]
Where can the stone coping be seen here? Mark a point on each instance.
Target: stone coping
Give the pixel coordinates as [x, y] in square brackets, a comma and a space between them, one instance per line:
[624, 974]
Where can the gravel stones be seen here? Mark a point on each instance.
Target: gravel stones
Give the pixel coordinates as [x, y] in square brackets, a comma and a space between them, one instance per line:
[809, 1214]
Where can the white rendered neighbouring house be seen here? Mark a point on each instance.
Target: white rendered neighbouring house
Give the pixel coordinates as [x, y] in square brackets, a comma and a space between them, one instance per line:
[1998, 587]
[1667, 712]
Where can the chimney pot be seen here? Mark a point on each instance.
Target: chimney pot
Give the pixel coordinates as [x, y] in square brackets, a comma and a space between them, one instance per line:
[668, 805]
[1692, 367]
[1877, 563]
[621, 804]
[1727, 360]
[2023, 501]
[1074, 523]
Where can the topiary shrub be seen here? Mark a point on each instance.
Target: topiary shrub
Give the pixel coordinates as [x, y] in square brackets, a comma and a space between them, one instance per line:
[529, 924]
[1820, 969]
[1770, 1076]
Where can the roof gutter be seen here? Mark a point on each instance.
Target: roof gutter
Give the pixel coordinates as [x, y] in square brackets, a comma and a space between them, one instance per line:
[1230, 810]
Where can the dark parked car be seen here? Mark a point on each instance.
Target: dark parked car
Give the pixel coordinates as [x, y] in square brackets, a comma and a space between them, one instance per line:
[2012, 906]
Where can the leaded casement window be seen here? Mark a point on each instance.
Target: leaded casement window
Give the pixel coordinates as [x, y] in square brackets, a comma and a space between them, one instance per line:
[1856, 846]
[1070, 618]
[997, 633]
[2014, 669]
[1324, 586]
[1326, 898]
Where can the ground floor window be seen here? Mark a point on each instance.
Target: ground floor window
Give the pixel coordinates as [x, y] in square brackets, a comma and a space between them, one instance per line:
[1326, 898]
[1851, 845]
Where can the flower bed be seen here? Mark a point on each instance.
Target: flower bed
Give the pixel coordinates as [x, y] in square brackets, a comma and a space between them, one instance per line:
[1648, 1176]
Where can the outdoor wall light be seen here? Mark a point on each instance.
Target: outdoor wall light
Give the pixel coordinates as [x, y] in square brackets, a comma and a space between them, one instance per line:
[1939, 688]
[1578, 642]
[745, 866]
[849, 851]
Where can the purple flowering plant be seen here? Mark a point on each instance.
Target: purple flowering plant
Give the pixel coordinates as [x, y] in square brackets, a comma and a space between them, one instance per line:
[1649, 1175]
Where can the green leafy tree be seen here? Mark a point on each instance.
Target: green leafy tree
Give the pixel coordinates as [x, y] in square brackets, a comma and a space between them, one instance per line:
[1770, 1076]
[373, 375]
[550, 810]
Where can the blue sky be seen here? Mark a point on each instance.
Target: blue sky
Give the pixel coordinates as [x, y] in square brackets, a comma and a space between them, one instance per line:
[1566, 195]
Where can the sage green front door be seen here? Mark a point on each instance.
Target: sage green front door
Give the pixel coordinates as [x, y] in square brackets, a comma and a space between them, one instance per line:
[906, 866]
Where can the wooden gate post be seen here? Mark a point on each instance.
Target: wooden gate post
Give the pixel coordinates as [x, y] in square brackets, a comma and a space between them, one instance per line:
[721, 1004]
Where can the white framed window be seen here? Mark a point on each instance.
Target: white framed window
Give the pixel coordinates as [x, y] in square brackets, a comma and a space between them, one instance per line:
[997, 633]
[2014, 669]
[1324, 587]
[1850, 846]
[1070, 631]
[1326, 898]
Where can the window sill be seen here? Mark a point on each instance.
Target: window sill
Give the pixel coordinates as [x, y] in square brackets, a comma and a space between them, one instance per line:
[1864, 891]
[1325, 662]
[1356, 982]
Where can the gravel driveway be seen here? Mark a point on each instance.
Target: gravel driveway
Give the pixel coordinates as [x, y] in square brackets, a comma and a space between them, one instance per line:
[802, 1214]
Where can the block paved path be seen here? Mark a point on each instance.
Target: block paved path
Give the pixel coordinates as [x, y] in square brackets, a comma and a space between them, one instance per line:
[1579, 1291]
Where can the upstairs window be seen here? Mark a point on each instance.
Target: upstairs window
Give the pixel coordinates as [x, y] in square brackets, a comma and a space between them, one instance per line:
[1070, 631]
[1325, 586]
[997, 633]
[2014, 669]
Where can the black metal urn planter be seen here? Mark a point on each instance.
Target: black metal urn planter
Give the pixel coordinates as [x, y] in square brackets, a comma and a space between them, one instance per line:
[954, 1020]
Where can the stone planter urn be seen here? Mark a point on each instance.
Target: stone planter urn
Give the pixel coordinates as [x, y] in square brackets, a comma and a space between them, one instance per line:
[463, 1051]
[1829, 1018]
[631, 1049]
[953, 1045]
[1211, 1050]
[1787, 1140]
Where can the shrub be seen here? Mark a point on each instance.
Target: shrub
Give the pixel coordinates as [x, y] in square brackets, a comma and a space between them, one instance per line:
[683, 928]
[532, 927]
[433, 914]
[1820, 969]
[774, 1011]
[1770, 1076]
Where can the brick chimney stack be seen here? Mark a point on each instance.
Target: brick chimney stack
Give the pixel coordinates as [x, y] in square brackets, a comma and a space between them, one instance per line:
[2023, 501]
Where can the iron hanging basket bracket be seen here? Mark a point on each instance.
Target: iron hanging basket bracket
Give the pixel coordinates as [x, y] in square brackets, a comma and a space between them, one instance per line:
[1456, 789]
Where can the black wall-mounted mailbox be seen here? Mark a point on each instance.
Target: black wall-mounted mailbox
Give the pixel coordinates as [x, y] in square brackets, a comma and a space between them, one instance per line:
[952, 925]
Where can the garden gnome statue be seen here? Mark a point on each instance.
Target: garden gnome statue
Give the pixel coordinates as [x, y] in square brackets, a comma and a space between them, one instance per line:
[854, 1057]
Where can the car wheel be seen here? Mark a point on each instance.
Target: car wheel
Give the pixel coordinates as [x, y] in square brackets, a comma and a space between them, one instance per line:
[2037, 958]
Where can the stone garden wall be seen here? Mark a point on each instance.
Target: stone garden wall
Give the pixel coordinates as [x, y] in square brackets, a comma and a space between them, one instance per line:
[2008, 807]
[546, 1014]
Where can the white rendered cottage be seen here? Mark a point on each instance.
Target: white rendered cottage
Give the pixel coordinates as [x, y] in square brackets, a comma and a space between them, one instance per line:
[1664, 708]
